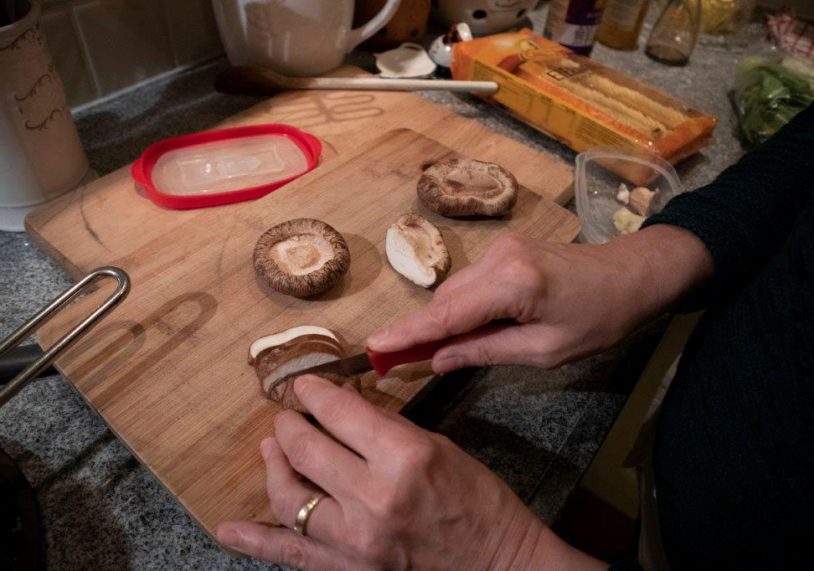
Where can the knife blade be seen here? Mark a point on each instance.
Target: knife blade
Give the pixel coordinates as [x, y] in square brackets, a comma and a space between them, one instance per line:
[372, 360]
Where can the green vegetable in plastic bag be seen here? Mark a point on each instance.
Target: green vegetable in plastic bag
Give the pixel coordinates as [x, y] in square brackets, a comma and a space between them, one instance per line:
[769, 93]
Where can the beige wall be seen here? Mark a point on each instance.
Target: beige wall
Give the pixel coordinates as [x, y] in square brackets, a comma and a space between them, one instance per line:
[100, 47]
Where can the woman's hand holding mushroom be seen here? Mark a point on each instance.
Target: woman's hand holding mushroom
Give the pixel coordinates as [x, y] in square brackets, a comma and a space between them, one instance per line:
[398, 497]
[543, 304]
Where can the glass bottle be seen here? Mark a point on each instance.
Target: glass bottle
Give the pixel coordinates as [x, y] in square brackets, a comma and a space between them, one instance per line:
[573, 23]
[621, 23]
[675, 33]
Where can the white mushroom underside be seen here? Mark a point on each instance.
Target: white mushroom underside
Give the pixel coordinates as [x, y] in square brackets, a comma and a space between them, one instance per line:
[285, 336]
[297, 364]
[301, 254]
[412, 255]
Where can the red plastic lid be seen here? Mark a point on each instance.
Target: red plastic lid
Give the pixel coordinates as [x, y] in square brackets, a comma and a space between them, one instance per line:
[224, 166]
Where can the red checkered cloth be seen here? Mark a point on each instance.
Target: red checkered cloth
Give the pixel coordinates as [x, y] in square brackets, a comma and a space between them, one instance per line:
[792, 35]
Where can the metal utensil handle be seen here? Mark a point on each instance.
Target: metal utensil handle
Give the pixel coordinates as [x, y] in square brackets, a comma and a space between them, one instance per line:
[122, 289]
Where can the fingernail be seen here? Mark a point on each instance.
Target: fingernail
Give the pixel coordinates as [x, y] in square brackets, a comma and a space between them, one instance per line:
[445, 361]
[378, 337]
[229, 537]
[265, 448]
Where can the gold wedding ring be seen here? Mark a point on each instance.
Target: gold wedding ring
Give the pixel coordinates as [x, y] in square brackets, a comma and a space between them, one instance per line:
[301, 525]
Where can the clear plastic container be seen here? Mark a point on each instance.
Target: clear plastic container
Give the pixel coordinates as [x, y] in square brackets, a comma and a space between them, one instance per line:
[596, 187]
[228, 165]
[223, 166]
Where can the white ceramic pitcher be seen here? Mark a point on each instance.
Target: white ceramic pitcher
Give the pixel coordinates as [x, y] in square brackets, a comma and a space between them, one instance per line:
[293, 37]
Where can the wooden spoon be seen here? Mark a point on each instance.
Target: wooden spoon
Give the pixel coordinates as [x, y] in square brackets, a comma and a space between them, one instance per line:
[261, 81]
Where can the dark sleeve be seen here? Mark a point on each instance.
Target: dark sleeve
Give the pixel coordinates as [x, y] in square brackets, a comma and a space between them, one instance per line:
[625, 565]
[746, 213]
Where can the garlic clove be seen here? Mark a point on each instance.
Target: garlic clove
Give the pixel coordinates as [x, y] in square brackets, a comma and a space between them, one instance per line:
[640, 199]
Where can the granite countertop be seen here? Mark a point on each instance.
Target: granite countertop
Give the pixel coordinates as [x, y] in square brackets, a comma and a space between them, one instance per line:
[536, 429]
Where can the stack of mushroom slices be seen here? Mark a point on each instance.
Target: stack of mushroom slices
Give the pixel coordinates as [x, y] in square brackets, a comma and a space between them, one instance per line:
[301, 257]
[275, 357]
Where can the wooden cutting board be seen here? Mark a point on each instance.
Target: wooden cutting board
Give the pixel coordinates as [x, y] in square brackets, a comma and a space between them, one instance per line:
[106, 220]
[168, 368]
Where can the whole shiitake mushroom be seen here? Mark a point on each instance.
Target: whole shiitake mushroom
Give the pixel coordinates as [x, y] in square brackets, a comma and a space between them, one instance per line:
[301, 257]
[466, 187]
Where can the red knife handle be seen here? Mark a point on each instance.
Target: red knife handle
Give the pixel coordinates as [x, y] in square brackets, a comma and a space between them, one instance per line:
[383, 362]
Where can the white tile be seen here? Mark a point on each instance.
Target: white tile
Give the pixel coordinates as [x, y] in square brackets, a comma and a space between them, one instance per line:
[66, 52]
[193, 33]
[127, 40]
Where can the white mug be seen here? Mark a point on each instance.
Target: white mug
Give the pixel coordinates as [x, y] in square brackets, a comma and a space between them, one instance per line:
[40, 153]
[293, 37]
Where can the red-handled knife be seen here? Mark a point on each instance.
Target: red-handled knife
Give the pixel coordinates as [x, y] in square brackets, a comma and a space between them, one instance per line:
[371, 360]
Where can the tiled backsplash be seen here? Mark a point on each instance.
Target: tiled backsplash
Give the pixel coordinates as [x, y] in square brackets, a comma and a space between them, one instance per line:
[103, 46]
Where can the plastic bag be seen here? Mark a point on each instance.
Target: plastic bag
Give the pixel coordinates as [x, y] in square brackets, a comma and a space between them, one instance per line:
[769, 92]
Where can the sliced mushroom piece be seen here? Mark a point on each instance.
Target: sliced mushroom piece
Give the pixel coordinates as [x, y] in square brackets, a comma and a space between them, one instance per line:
[301, 257]
[416, 250]
[274, 357]
[466, 187]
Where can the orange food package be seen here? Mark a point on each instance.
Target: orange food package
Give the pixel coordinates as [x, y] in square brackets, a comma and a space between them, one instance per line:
[580, 102]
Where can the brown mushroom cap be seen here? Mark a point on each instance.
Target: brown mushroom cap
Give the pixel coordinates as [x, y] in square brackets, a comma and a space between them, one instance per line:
[416, 250]
[301, 257]
[277, 356]
[466, 187]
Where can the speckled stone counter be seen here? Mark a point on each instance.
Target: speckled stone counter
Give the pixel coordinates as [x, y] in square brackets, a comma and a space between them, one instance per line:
[538, 430]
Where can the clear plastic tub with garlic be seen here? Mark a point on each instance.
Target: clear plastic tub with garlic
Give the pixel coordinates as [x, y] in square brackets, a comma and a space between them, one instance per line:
[608, 205]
